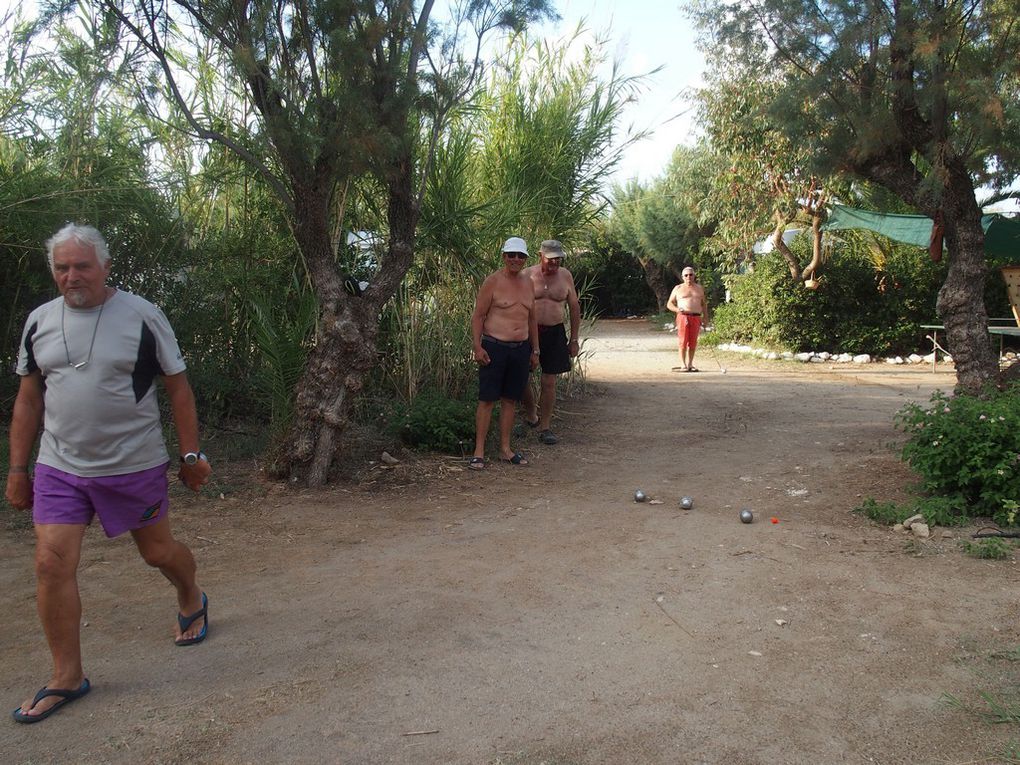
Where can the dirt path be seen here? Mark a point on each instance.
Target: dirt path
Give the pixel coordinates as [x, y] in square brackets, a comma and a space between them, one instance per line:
[539, 615]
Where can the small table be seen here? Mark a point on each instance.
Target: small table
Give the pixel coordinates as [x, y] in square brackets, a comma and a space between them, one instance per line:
[1002, 330]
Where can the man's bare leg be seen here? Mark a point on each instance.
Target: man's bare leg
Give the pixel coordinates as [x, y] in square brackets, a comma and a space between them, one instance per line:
[175, 561]
[57, 553]
[507, 412]
[483, 416]
[546, 402]
[529, 404]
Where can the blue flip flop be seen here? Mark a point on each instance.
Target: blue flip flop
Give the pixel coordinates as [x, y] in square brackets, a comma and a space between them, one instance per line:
[517, 459]
[186, 621]
[66, 697]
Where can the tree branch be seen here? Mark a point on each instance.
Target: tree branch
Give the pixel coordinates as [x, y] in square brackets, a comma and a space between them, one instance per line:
[154, 46]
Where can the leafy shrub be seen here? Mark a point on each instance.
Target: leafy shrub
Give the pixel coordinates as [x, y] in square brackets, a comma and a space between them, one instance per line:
[937, 511]
[941, 511]
[966, 450]
[435, 421]
[887, 513]
[992, 548]
[860, 305]
[611, 282]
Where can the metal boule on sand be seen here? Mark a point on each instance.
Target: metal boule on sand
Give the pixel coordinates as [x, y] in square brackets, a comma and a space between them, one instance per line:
[640, 496]
[746, 516]
[686, 502]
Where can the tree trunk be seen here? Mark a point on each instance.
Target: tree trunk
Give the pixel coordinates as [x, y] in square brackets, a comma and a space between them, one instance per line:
[347, 337]
[660, 279]
[343, 351]
[811, 270]
[960, 303]
[779, 244]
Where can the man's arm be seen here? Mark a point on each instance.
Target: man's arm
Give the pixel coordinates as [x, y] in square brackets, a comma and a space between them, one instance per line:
[704, 306]
[482, 303]
[182, 403]
[671, 303]
[574, 307]
[25, 422]
[533, 331]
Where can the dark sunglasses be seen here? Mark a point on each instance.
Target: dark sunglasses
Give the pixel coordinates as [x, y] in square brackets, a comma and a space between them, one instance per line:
[516, 255]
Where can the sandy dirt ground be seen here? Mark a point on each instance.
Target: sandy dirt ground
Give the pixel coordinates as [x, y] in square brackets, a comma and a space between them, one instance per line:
[526, 615]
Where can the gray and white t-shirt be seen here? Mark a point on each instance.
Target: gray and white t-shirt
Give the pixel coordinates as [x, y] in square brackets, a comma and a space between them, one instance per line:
[102, 418]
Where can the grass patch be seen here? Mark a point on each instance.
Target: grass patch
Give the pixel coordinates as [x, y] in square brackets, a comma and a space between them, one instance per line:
[991, 548]
[937, 511]
[992, 709]
[998, 701]
[885, 513]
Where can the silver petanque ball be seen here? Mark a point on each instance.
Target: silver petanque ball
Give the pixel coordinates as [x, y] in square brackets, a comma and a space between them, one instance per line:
[686, 502]
[639, 496]
[746, 516]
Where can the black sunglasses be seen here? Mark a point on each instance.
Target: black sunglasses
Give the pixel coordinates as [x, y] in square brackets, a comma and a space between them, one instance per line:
[516, 255]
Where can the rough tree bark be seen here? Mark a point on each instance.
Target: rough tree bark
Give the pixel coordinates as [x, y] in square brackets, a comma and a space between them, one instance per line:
[961, 303]
[346, 341]
[951, 198]
[660, 279]
[782, 221]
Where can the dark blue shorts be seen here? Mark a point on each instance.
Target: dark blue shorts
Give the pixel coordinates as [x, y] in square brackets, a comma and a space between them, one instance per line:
[555, 353]
[506, 374]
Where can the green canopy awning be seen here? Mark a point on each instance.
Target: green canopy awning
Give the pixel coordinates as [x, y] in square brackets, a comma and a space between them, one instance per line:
[1002, 233]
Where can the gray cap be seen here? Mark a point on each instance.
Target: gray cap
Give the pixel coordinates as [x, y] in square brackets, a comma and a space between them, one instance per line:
[551, 248]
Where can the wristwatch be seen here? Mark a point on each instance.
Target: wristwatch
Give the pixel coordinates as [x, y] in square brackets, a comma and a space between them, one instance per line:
[193, 457]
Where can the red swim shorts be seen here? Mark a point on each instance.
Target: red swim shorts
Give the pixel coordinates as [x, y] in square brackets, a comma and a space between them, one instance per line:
[687, 329]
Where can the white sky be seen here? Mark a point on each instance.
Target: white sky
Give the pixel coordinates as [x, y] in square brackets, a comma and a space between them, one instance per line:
[644, 34]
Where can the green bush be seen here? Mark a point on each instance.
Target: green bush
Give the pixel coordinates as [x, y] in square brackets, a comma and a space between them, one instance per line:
[866, 301]
[611, 282]
[966, 450]
[886, 513]
[435, 421]
[992, 548]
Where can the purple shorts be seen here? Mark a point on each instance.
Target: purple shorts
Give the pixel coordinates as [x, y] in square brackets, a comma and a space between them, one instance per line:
[123, 502]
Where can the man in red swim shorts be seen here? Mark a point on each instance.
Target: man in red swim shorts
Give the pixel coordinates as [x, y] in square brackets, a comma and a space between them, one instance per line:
[687, 301]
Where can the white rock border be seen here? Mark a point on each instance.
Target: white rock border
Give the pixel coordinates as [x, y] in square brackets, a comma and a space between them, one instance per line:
[820, 357]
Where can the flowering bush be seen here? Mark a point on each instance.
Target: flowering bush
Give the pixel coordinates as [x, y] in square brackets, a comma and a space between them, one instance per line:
[966, 450]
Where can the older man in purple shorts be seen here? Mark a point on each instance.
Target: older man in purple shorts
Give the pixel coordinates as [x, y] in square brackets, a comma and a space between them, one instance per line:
[99, 351]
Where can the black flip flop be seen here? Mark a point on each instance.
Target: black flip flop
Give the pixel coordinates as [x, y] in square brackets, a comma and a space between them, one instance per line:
[186, 621]
[66, 697]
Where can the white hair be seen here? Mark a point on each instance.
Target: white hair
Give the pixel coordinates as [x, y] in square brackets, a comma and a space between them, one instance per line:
[87, 235]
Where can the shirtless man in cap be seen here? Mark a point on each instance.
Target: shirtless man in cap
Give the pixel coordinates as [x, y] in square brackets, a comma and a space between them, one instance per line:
[505, 337]
[553, 286]
[687, 301]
